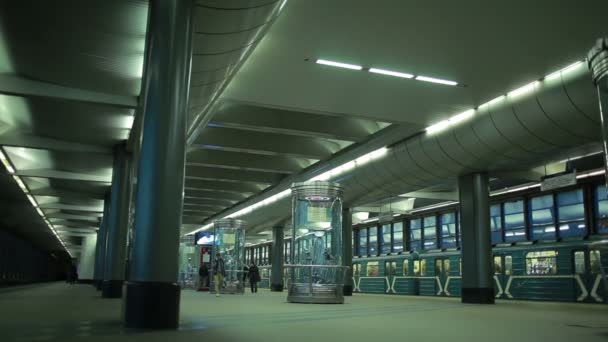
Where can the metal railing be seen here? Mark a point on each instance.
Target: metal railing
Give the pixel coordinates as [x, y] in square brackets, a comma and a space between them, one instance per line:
[338, 277]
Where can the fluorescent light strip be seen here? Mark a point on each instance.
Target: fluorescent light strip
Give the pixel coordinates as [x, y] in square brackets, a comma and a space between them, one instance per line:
[6, 162]
[390, 73]
[435, 80]
[338, 64]
[530, 87]
[564, 70]
[523, 90]
[30, 198]
[434, 206]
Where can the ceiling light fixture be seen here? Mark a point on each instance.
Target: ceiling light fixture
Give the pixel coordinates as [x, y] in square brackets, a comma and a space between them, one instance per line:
[390, 73]
[339, 64]
[435, 80]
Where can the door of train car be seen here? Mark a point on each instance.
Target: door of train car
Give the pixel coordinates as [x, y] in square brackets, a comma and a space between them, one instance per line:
[390, 271]
[442, 272]
[427, 281]
[503, 266]
[587, 270]
[356, 276]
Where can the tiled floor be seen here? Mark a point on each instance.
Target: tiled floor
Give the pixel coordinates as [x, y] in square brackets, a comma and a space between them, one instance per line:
[59, 312]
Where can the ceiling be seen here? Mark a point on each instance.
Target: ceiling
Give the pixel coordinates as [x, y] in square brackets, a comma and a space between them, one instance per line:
[71, 75]
[488, 49]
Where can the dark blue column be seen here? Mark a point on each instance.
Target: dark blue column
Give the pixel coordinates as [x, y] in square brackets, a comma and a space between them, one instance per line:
[477, 270]
[152, 298]
[347, 250]
[278, 258]
[117, 226]
[100, 248]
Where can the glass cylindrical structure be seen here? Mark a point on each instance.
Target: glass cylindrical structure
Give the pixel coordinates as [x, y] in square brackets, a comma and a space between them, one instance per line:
[316, 271]
[229, 242]
[598, 64]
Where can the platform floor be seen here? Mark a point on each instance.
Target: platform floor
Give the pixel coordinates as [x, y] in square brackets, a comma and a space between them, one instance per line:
[60, 312]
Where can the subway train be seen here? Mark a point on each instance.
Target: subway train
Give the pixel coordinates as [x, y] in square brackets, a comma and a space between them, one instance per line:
[546, 245]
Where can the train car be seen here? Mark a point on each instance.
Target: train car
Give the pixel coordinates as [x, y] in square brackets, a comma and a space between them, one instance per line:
[568, 271]
[541, 247]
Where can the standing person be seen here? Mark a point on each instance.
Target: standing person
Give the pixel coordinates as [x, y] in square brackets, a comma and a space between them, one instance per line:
[74, 274]
[219, 271]
[203, 277]
[254, 277]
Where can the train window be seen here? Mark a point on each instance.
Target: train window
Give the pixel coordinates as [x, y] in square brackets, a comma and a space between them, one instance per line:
[416, 267]
[372, 247]
[397, 237]
[406, 264]
[579, 262]
[265, 273]
[356, 270]
[601, 209]
[571, 213]
[430, 232]
[386, 243]
[438, 266]
[497, 264]
[363, 242]
[390, 268]
[423, 267]
[448, 230]
[542, 218]
[460, 266]
[496, 223]
[328, 241]
[543, 262]
[508, 265]
[372, 269]
[595, 262]
[415, 234]
[446, 266]
[515, 223]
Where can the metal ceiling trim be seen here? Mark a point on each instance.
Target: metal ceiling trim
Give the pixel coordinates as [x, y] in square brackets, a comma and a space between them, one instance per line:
[202, 117]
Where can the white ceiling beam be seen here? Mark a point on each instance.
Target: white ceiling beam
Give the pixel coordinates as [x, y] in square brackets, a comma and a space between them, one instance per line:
[19, 139]
[14, 85]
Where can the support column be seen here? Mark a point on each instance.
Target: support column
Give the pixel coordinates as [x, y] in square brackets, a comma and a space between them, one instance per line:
[100, 248]
[598, 63]
[477, 271]
[278, 258]
[152, 298]
[114, 275]
[347, 253]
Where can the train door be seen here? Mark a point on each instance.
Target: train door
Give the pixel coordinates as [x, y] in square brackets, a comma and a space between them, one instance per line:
[390, 271]
[503, 266]
[442, 271]
[588, 274]
[356, 275]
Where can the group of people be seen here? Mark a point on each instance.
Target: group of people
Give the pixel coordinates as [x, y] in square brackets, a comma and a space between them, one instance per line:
[218, 267]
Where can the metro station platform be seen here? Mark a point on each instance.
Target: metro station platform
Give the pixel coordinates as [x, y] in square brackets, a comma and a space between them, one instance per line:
[59, 312]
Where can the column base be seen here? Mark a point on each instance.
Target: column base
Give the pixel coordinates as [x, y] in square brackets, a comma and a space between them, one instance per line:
[151, 305]
[276, 287]
[478, 295]
[348, 290]
[111, 289]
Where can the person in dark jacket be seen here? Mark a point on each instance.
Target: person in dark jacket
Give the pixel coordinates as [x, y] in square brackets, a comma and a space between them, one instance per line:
[254, 277]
